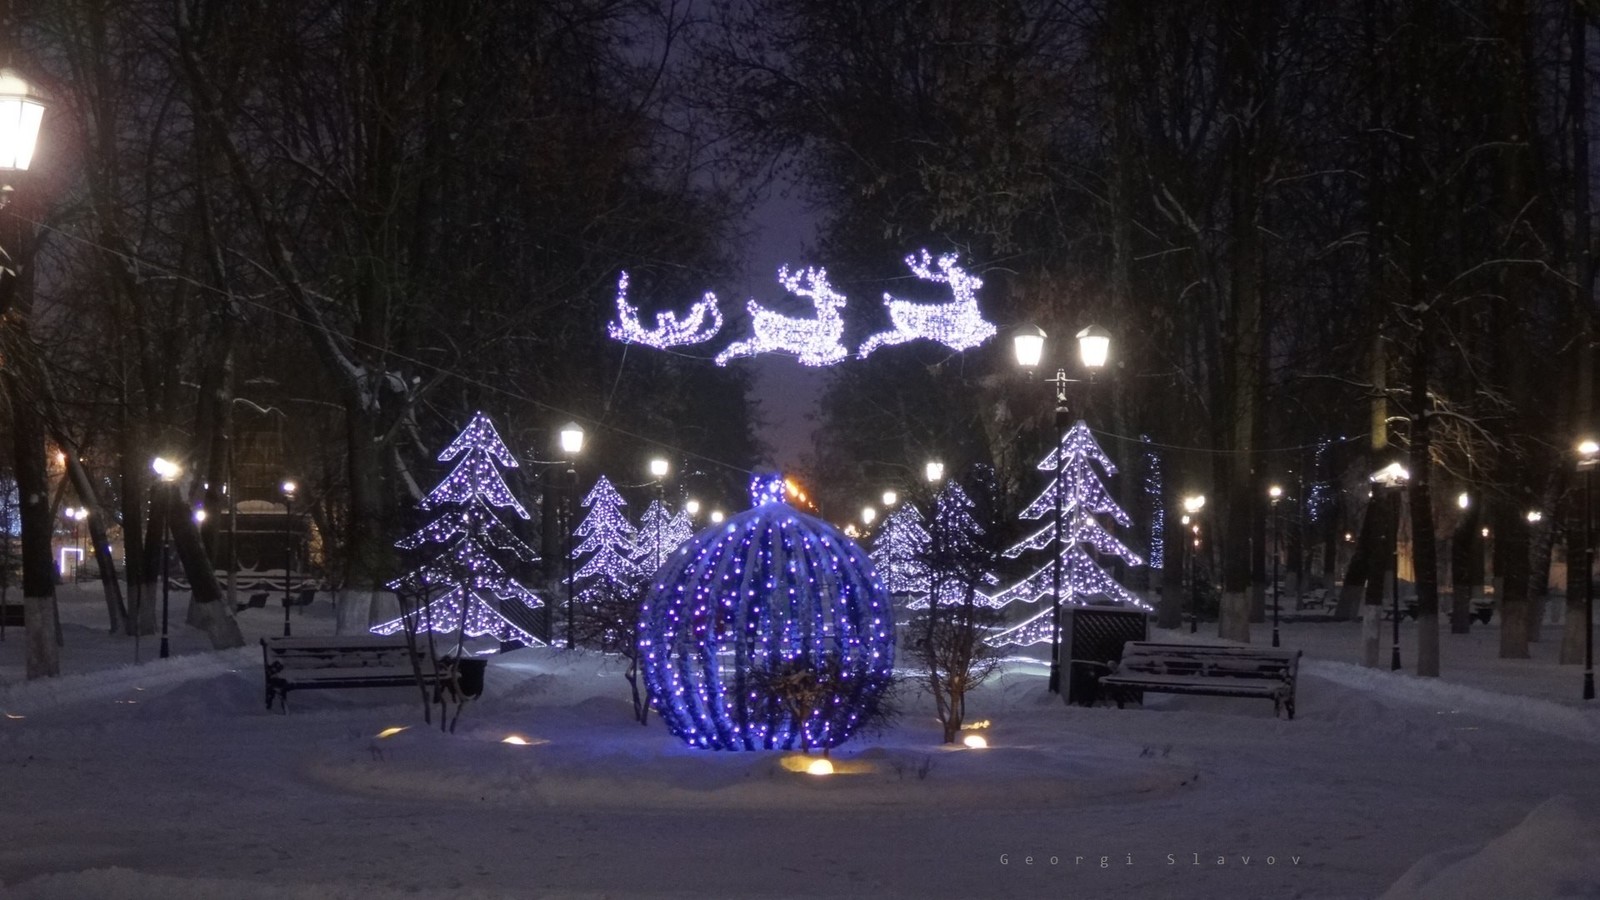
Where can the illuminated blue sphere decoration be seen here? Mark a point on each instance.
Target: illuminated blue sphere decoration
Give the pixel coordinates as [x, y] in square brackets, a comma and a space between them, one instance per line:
[769, 594]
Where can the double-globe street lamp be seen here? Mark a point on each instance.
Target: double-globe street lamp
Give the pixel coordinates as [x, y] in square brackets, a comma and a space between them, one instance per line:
[659, 467]
[1094, 346]
[571, 445]
[1588, 454]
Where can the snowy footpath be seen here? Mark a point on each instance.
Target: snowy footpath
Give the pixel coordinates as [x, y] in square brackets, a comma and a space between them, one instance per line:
[169, 779]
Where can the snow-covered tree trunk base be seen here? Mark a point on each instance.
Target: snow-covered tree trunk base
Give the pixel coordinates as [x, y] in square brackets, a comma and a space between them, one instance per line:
[1428, 644]
[217, 621]
[143, 607]
[1572, 645]
[44, 654]
[1460, 612]
[352, 610]
[1233, 621]
[1349, 602]
[1371, 632]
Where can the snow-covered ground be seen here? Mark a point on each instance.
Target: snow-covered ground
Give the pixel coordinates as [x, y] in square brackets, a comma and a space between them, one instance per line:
[169, 779]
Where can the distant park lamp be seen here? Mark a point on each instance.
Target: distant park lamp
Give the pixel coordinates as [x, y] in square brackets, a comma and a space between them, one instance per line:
[1393, 477]
[890, 498]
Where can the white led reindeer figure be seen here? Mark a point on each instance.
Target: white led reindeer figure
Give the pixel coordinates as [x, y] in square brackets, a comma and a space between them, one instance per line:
[957, 324]
[669, 332]
[815, 341]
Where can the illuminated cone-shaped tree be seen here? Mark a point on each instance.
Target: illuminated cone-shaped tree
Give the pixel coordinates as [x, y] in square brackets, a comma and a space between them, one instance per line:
[608, 546]
[900, 554]
[466, 544]
[681, 529]
[954, 553]
[1083, 499]
[660, 532]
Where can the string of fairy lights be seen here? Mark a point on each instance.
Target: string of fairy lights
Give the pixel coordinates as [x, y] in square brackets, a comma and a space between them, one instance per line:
[769, 600]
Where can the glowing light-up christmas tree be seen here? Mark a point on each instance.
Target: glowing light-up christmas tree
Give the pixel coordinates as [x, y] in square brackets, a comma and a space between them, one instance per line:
[467, 542]
[956, 560]
[660, 533]
[608, 546]
[1084, 499]
[769, 630]
[900, 553]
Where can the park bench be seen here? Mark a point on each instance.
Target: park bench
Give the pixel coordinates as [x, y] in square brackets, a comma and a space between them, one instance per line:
[1215, 669]
[300, 663]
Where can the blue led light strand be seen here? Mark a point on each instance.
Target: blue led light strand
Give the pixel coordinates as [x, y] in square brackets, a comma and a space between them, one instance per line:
[770, 598]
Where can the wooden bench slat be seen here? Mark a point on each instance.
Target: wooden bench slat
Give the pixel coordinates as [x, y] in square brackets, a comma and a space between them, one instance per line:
[1215, 669]
[343, 661]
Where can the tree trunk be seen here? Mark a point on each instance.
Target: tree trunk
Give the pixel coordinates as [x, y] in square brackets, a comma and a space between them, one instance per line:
[207, 609]
[1381, 559]
[1466, 566]
[1365, 563]
[1424, 549]
[38, 567]
[1581, 274]
[88, 499]
[1511, 564]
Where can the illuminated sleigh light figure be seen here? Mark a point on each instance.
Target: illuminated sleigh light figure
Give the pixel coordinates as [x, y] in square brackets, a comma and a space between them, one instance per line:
[669, 332]
[814, 341]
[957, 324]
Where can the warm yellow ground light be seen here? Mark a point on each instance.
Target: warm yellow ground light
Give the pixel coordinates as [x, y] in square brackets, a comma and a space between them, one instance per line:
[975, 741]
[391, 732]
[820, 767]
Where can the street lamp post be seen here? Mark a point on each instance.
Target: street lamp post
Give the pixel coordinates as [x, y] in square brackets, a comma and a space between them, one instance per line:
[571, 446]
[289, 487]
[167, 471]
[1192, 505]
[1276, 493]
[1094, 345]
[1392, 478]
[934, 472]
[658, 470]
[1588, 452]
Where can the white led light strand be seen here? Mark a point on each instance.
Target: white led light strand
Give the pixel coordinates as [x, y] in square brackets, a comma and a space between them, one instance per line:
[813, 341]
[607, 544]
[471, 539]
[700, 324]
[900, 552]
[957, 324]
[1084, 498]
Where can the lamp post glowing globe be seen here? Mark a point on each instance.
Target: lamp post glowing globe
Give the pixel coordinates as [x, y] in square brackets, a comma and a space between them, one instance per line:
[769, 630]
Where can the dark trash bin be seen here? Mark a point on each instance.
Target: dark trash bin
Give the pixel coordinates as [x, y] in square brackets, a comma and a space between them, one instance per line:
[1091, 640]
[470, 672]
